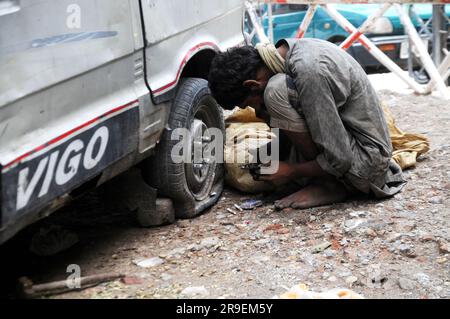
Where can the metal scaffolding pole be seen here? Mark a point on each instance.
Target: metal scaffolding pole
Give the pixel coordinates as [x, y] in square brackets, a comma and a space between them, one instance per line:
[437, 66]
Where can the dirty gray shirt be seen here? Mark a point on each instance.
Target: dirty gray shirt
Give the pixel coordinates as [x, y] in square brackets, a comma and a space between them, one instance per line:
[344, 116]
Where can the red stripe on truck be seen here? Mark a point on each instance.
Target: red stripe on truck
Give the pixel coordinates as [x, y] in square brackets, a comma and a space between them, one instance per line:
[67, 134]
[183, 63]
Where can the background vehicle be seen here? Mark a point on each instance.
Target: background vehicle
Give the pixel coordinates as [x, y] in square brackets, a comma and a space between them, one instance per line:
[387, 33]
[90, 88]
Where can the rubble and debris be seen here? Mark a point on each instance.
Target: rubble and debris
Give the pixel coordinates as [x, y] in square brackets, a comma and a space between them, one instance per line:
[406, 284]
[251, 204]
[258, 252]
[321, 247]
[148, 263]
[192, 292]
[301, 291]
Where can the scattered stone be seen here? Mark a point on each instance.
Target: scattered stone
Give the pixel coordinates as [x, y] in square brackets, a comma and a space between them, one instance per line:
[358, 214]
[282, 231]
[132, 280]
[427, 238]
[436, 200]
[394, 237]
[251, 204]
[192, 292]
[423, 279]
[210, 242]
[321, 247]
[332, 278]
[354, 224]
[273, 227]
[406, 284]
[350, 280]
[444, 247]
[407, 250]
[174, 253]
[148, 263]
[194, 247]
[371, 233]
[302, 219]
[406, 226]
[166, 277]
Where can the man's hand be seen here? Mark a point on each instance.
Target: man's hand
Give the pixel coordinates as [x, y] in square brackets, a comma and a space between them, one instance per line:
[283, 176]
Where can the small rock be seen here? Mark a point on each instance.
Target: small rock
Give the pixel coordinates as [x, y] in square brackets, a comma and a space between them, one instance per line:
[444, 247]
[427, 237]
[353, 224]
[166, 277]
[321, 247]
[358, 214]
[394, 237]
[406, 284]
[194, 247]
[371, 233]
[351, 280]
[407, 250]
[210, 242]
[332, 278]
[195, 292]
[302, 219]
[406, 226]
[175, 253]
[221, 216]
[436, 200]
[148, 263]
[132, 280]
[423, 279]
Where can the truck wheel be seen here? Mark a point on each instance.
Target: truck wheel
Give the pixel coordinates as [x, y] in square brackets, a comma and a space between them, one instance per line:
[193, 187]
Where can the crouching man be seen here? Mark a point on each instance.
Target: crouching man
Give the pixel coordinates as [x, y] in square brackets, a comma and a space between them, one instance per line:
[323, 101]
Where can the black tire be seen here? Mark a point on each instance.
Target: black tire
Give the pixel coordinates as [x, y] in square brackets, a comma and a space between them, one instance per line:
[421, 76]
[193, 102]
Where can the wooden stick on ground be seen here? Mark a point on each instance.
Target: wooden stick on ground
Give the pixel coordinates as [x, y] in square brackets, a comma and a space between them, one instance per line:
[28, 290]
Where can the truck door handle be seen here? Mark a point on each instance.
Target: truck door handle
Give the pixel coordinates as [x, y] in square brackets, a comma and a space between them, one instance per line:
[9, 6]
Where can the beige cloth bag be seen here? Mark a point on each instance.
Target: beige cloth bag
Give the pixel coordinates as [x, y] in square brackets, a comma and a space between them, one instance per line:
[244, 132]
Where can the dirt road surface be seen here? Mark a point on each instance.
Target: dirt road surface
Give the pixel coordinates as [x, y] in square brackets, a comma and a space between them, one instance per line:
[395, 248]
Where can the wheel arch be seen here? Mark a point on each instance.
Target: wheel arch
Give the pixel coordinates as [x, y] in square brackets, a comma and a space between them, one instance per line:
[198, 65]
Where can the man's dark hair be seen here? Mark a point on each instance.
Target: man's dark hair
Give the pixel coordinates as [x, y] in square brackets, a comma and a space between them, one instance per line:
[228, 72]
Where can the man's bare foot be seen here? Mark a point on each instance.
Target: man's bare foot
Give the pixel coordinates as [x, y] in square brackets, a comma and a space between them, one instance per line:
[314, 195]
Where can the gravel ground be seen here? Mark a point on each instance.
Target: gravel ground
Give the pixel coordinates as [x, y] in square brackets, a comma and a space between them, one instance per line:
[395, 248]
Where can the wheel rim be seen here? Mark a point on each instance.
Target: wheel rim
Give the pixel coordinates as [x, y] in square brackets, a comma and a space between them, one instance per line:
[199, 172]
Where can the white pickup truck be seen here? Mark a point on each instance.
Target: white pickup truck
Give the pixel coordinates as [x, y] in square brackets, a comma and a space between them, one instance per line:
[91, 88]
